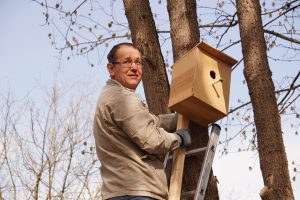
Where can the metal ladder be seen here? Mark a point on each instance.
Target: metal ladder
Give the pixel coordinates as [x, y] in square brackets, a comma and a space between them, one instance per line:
[210, 149]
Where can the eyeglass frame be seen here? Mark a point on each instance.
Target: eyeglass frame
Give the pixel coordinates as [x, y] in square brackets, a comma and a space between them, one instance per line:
[126, 63]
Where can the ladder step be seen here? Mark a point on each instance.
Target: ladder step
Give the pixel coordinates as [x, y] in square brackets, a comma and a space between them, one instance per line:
[195, 151]
[187, 194]
[192, 152]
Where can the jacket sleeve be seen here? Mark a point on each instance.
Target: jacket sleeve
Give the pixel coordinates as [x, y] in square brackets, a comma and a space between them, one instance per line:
[141, 127]
[168, 121]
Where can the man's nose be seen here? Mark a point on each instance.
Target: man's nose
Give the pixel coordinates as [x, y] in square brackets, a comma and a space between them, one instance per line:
[134, 66]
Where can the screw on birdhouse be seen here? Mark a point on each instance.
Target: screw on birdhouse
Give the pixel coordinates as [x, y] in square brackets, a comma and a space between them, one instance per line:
[213, 84]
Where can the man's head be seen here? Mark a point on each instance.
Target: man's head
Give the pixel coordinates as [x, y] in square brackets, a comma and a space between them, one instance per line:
[125, 65]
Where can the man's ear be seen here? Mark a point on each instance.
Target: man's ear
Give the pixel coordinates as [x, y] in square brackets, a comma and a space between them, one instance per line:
[111, 69]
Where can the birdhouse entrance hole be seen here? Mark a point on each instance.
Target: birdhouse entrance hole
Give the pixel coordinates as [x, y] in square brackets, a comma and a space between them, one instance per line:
[212, 74]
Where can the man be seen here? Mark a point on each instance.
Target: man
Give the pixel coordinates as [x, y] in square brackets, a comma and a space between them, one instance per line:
[129, 139]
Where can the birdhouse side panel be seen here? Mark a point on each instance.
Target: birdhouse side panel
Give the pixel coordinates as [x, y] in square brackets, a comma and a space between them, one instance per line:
[182, 79]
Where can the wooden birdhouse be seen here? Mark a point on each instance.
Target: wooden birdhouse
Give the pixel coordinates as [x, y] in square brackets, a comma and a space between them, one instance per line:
[201, 84]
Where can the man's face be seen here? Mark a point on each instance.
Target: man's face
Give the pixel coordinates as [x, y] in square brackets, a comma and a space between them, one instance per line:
[126, 68]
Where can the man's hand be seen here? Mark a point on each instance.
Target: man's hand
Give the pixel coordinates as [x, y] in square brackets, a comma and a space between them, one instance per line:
[185, 135]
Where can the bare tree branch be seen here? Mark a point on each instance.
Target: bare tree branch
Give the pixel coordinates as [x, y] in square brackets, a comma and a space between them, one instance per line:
[75, 10]
[287, 5]
[282, 36]
[292, 88]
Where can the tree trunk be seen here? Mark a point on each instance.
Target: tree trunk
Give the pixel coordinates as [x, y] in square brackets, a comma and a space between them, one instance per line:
[273, 160]
[185, 35]
[144, 36]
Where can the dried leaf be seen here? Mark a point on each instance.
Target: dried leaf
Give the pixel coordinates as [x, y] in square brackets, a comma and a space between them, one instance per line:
[270, 15]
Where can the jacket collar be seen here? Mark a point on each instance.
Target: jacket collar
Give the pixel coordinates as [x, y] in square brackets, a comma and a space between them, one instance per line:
[117, 83]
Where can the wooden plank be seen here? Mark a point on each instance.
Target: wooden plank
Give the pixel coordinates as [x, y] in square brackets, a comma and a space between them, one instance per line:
[178, 164]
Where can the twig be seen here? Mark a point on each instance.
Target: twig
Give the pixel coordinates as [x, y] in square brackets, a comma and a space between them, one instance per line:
[75, 10]
[290, 89]
[231, 22]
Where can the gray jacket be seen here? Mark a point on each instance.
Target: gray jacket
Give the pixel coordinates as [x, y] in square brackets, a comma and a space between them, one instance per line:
[129, 141]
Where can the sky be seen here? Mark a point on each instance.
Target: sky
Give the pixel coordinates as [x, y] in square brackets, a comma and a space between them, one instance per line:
[27, 56]
[27, 61]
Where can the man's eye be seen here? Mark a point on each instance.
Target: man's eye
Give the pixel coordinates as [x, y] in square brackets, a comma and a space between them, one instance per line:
[127, 62]
[137, 62]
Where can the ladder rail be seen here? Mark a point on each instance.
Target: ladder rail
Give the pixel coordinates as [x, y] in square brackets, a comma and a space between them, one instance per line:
[207, 162]
[210, 149]
[178, 164]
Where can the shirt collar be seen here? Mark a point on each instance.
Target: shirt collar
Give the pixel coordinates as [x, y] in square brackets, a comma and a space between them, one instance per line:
[115, 82]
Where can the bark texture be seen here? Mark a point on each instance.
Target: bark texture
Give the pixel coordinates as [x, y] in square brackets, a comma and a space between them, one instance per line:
[273, 160]
[145, 37]
[185, 35]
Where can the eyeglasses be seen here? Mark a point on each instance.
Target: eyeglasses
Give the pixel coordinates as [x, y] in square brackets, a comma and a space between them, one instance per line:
[128, 63]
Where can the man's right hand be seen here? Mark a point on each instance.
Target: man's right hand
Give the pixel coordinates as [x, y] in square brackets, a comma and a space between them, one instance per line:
[185, 135]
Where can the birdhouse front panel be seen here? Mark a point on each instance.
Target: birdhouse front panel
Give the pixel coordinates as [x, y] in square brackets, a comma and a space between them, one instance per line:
[212, 84]
[201, 84]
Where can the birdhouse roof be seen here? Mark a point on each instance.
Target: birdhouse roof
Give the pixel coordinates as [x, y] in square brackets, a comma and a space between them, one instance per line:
[216, 53]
